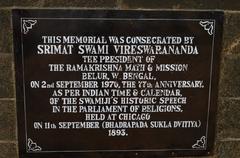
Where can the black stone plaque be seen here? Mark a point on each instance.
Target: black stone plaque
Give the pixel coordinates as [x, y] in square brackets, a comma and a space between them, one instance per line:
[107, 83]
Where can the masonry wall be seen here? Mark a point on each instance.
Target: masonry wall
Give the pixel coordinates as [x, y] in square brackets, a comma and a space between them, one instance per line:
[228, 117]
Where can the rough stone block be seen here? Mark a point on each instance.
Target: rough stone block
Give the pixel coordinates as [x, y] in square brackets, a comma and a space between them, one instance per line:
[7, 120]
[231, 34]
[228, 149]
[230, 4]
[170, 4]
[5, 31]
[230, 76]
[66, 3]
[228, 124]
[8, 150]
[6, 3]
[6, 76]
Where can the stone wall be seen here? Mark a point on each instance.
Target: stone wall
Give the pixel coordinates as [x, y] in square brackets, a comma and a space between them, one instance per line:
[228, 117]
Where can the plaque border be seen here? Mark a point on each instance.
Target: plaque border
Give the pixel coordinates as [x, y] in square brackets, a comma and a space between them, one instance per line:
[119, 19]
[108, 13]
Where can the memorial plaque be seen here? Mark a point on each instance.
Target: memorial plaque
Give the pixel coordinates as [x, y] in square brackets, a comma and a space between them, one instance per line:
[106, 83]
